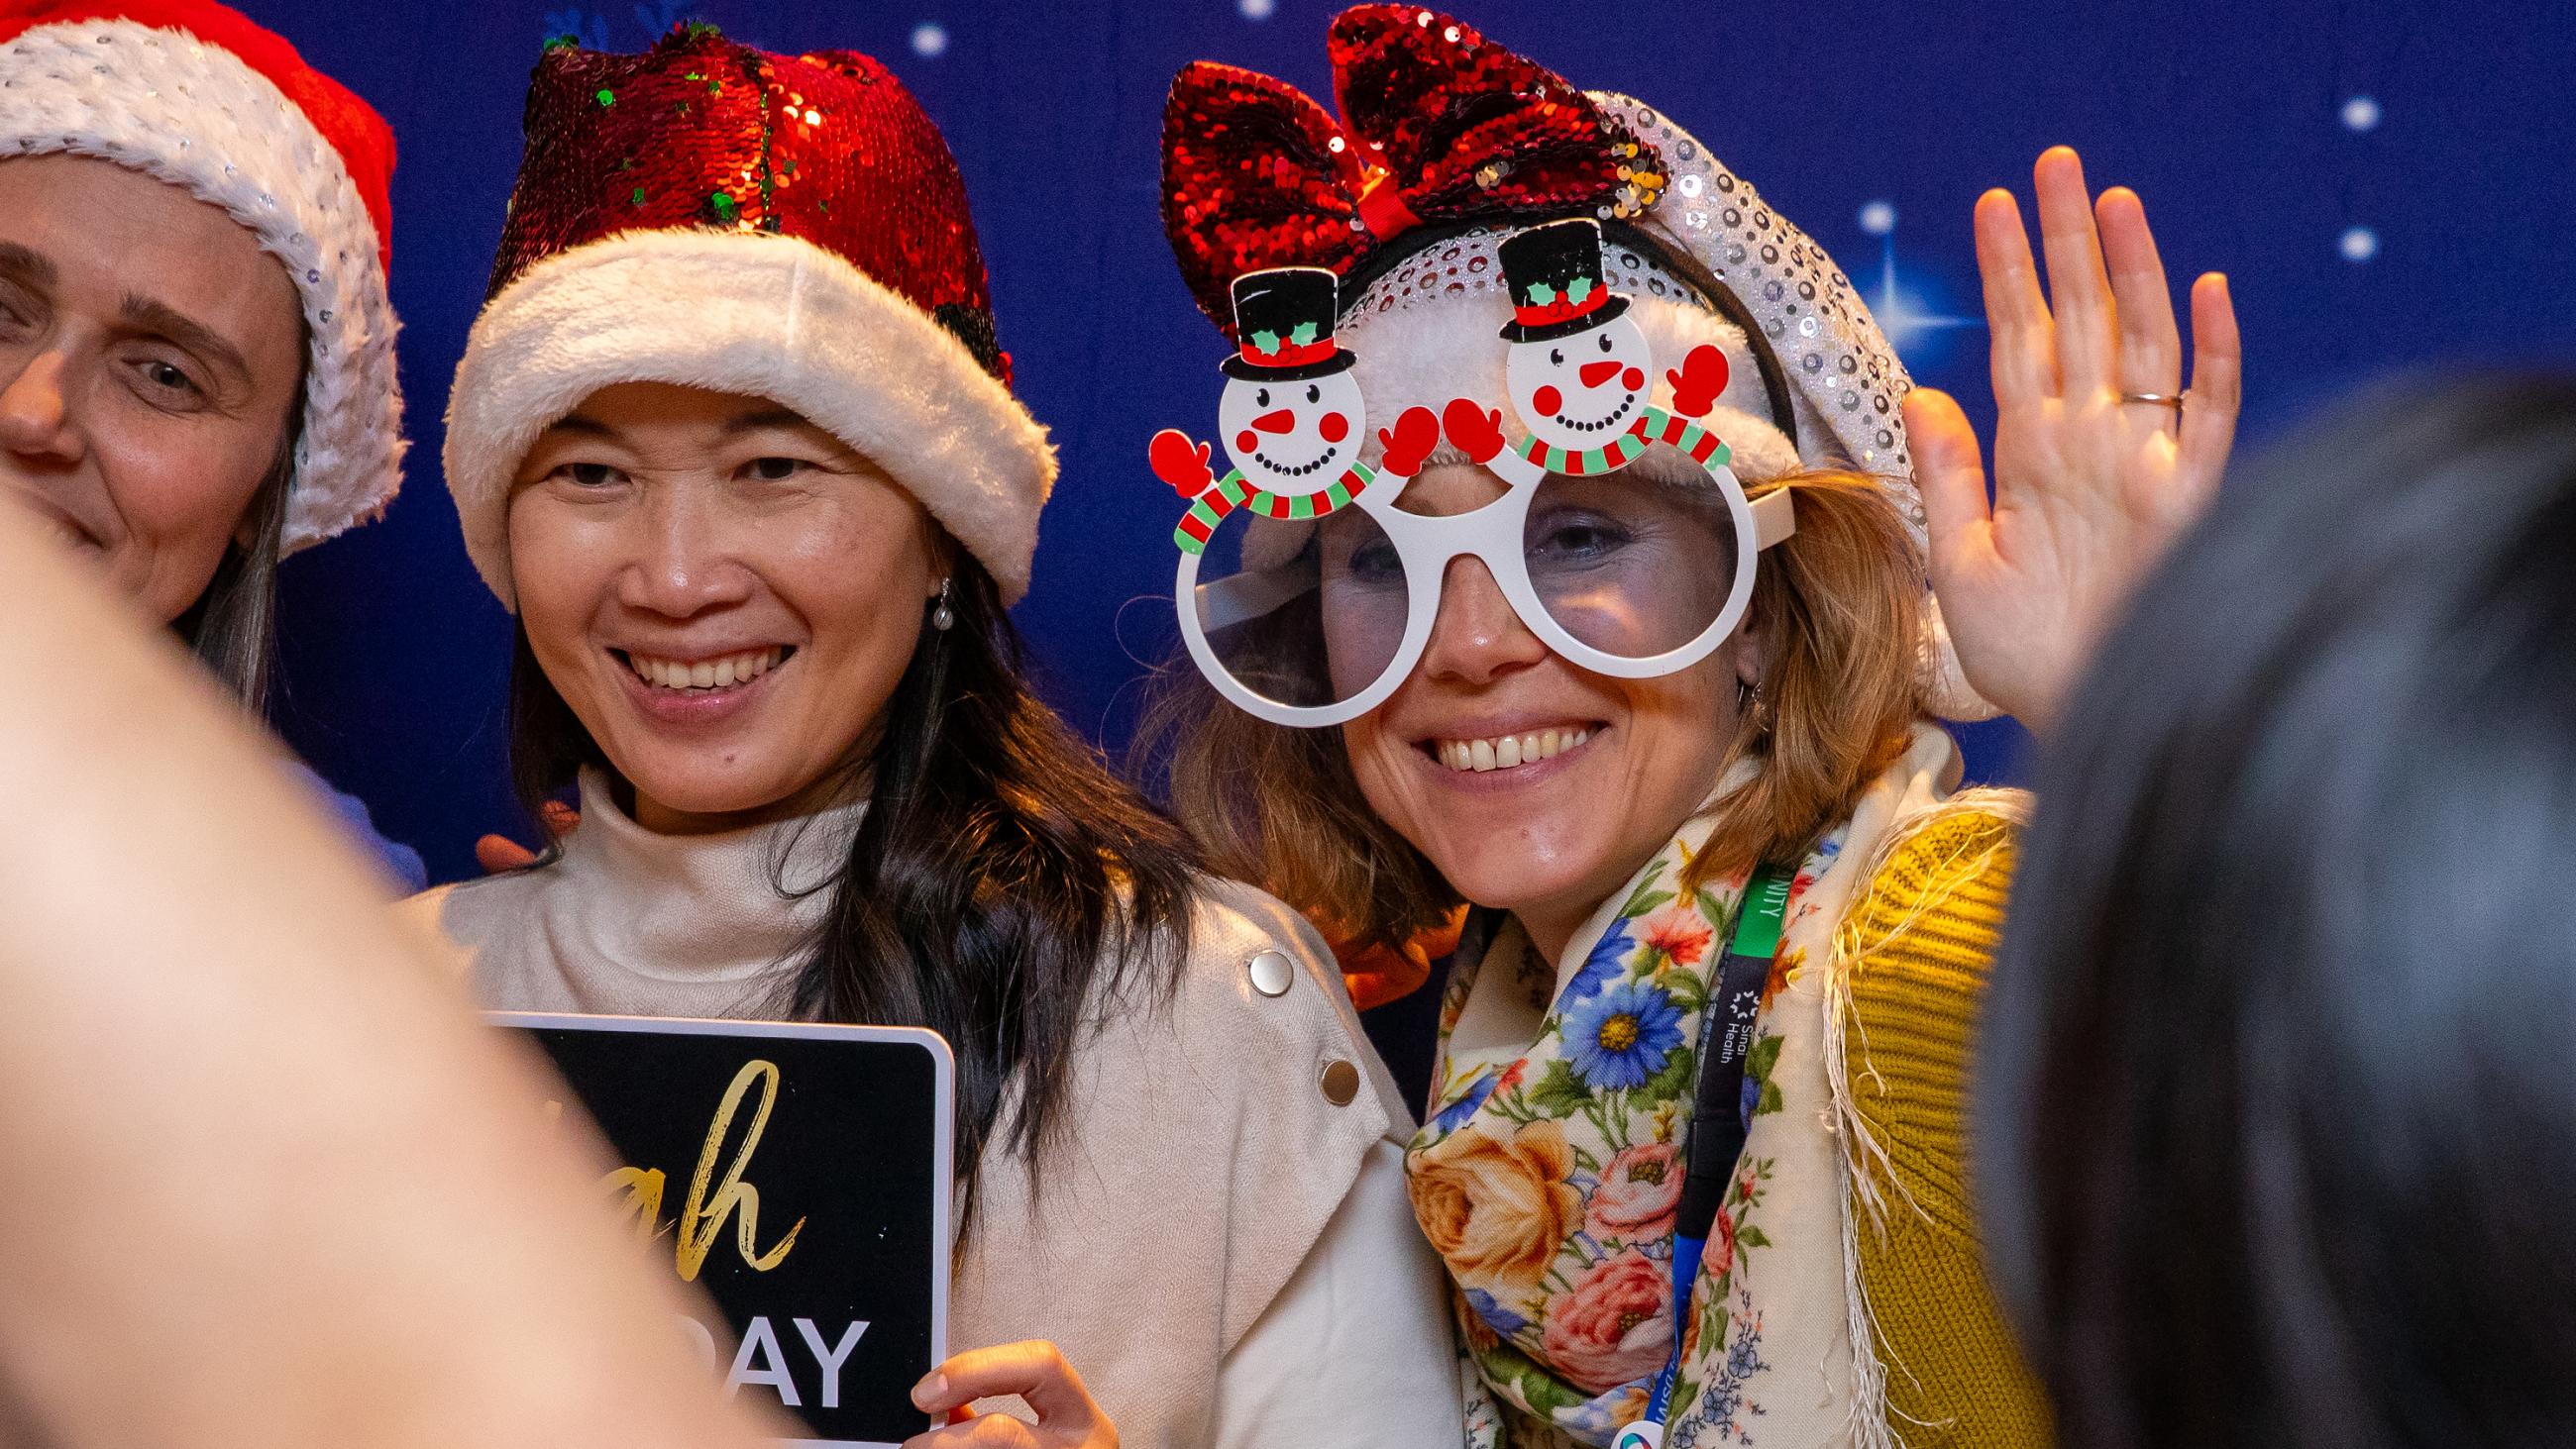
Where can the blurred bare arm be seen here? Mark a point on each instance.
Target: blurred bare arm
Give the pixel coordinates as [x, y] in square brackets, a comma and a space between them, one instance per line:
[270, 1182]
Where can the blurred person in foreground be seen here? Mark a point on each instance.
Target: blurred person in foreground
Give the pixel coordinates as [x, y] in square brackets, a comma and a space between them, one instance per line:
[271, 1184]
[2276, 1105]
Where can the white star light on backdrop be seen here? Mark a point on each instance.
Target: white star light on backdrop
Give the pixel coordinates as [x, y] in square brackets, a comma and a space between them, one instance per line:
[929, 38]
[1257, 9]
[2359, 244]
[1900, 309]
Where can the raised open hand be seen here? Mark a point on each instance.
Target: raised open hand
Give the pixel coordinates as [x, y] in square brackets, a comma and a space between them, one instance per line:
[2100, 457]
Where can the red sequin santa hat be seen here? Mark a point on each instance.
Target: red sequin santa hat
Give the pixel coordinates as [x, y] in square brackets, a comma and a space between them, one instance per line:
[195, 94]
[784, 227]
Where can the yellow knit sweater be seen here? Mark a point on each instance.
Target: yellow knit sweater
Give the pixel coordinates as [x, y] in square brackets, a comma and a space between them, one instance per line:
[1920, 943]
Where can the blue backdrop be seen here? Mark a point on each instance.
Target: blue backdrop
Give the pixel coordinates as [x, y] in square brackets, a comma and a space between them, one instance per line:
[2382, 182]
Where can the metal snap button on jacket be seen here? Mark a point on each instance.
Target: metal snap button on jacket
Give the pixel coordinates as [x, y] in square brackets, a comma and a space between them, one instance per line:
[1341, 1082]
[1271, 972]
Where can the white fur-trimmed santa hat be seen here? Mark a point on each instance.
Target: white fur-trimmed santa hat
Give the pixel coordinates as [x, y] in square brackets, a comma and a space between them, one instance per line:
[195, 94]
[784, 227]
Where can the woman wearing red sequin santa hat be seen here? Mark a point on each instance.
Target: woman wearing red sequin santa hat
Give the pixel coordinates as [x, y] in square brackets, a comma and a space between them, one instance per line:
[1671, 727]
[734, 439]
[196, 350]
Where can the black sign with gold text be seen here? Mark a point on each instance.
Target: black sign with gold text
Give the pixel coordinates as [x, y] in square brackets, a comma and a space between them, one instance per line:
[800, 1175]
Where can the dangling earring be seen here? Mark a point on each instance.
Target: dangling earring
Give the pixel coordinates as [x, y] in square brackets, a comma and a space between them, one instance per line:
[942, 616]
[1748, 699]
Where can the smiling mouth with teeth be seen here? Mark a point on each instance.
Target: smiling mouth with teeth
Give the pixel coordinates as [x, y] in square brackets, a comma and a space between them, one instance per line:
[705, 674]
[1504, 752]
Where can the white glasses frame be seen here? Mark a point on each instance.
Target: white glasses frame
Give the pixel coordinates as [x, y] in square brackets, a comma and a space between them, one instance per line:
[1493, 534]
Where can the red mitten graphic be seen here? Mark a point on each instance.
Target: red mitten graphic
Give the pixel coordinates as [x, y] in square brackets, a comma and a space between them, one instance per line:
[1477, 431]
[1411, 440]
[1178, 461]
[1701, 378]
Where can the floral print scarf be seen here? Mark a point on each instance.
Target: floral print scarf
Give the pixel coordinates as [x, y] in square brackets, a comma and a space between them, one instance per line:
[1550, 1170]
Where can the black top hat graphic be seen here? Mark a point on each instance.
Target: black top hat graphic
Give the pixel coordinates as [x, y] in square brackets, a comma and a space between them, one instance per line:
[1554, 276]
[1283, 325]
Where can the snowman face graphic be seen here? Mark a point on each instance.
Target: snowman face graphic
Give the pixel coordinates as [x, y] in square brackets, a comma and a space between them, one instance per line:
[1292, 438]
[1582, 391]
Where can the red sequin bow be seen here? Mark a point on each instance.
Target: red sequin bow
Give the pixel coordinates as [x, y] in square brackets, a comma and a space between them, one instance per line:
[1440, 125]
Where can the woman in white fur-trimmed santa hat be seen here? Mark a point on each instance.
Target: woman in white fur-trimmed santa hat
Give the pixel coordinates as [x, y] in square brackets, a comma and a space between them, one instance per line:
[196, 347]
[1633, 655]
[735, 439]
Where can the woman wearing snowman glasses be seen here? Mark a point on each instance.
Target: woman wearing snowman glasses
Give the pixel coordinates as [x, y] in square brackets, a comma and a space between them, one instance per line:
[1632, 652]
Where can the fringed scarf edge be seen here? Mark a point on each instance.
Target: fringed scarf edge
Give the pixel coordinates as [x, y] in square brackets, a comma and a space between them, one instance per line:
[1864, 1159]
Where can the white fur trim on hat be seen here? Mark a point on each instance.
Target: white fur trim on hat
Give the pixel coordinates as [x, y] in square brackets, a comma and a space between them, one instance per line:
[1943, 681]
[199, 118]
[765, 316]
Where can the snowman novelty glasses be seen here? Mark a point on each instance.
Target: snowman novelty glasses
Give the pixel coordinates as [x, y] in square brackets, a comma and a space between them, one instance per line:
[1628, 571]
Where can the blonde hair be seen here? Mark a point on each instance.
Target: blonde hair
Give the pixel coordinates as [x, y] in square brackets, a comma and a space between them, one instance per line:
[1841, 601]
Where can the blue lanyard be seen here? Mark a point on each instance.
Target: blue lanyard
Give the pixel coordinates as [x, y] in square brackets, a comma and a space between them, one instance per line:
[1718, 1119]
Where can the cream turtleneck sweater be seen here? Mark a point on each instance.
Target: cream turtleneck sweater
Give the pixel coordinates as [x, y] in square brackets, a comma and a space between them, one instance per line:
[1225, 1254]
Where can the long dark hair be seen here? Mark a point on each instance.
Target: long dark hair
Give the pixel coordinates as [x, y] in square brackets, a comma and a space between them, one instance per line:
[2276, 1110]
[232, 628]
[1002, 881]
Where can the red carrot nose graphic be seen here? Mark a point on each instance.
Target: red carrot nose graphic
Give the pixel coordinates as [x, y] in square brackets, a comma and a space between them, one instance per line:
[1596, 373]
[1278, 422]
